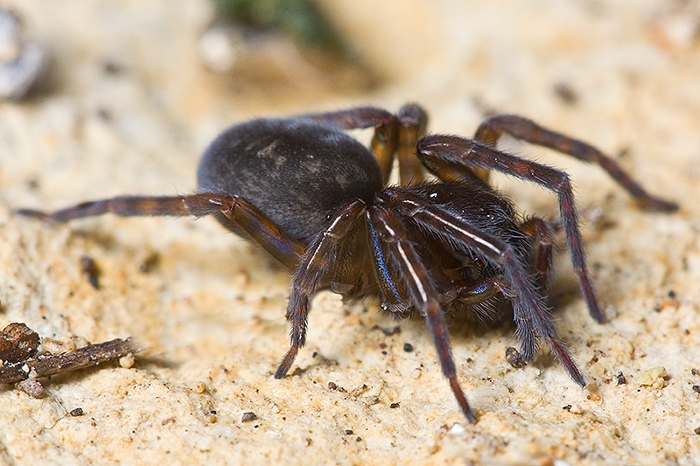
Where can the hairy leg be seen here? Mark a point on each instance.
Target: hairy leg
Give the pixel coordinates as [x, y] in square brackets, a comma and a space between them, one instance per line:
[422, 293]
[386, 130]
[531, 315]
[246, 216]
[455, 152]
[393, 134]
[413, 122]
[317, 262]
[527, 130]
[542, 234]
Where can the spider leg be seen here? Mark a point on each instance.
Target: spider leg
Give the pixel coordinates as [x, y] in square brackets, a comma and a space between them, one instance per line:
[455, 152]
[531, 315]
[393, 134]
[543, 234]
[413, 122]
[422, 292]
[285, 248]
[527, 130]
[386, 131]
[309, 276]
[388, 287]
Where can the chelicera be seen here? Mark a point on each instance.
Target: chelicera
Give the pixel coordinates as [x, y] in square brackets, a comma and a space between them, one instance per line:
[319, 202]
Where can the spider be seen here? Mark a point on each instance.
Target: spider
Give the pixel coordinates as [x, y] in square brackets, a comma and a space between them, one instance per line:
[318, 201]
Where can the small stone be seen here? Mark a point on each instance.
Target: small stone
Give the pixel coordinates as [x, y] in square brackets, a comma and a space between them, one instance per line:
[653, 378]
[32, 387]
[248, 416]
[514, 358]
[457, 429]
[127, 362]
[620, 377]
[575, 409]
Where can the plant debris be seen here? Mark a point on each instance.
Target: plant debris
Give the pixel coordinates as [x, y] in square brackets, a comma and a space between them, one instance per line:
[19, 346]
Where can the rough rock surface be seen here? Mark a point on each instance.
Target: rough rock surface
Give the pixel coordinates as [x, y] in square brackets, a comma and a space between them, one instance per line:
[127, 108]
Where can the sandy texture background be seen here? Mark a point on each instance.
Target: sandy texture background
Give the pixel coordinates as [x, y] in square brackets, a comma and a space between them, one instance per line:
[128, 107]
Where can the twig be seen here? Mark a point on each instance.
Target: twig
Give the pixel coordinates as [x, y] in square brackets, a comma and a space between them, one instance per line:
[47, 365]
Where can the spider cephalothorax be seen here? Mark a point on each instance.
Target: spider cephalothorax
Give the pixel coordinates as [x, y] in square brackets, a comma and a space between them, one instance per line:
[318, 201]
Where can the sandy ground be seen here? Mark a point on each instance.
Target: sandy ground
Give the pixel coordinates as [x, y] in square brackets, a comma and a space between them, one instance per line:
[128, 107]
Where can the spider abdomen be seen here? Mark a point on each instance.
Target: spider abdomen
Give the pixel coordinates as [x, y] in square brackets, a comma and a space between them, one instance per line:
[295, 170]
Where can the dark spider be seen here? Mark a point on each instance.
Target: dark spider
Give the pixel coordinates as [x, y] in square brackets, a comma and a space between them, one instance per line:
[318, 201]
